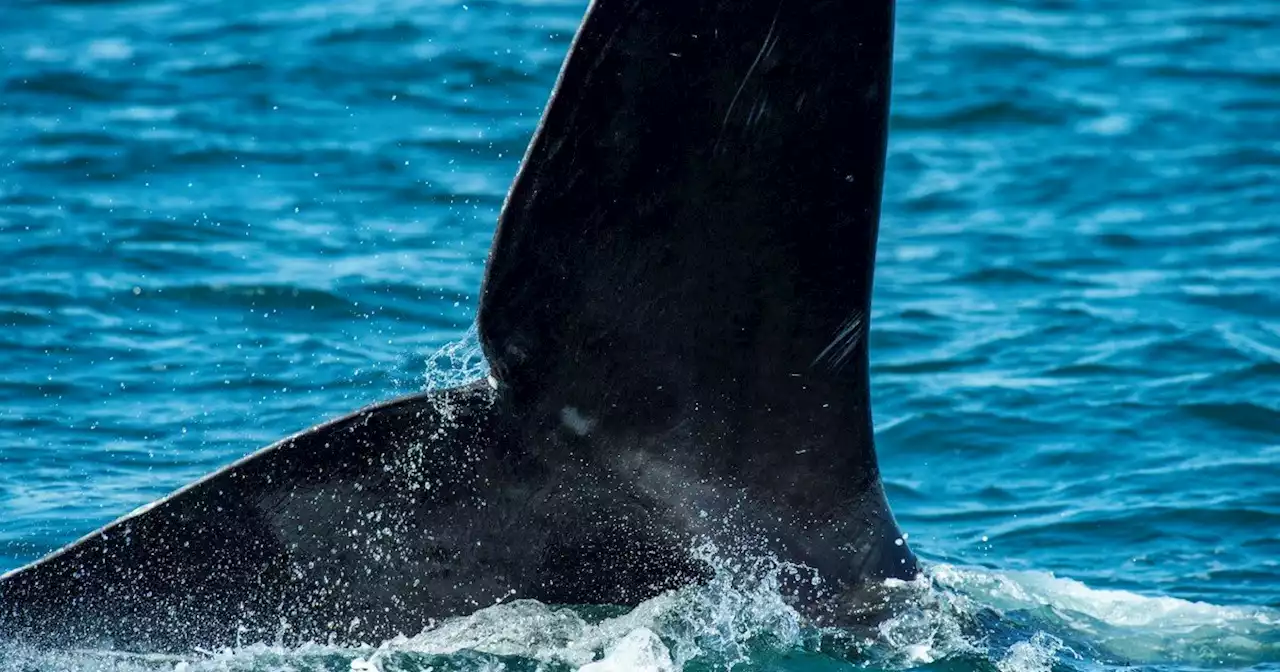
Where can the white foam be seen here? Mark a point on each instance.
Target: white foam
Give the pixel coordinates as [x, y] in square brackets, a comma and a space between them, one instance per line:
[720, 621]
[1034, 655]
[640, 651]
[1119, 608]
[741, 615]
[1131, 627]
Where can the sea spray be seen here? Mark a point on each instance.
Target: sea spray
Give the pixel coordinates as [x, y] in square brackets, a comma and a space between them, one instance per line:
[951, 618]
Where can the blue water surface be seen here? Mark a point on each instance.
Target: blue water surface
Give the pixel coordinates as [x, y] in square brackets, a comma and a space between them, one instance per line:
[224, 221]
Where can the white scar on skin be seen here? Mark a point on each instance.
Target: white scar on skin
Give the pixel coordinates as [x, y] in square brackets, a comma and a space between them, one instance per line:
[577, 423]
[842, 346]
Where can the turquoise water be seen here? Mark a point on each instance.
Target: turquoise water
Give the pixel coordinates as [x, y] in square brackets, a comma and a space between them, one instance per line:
[226, 221]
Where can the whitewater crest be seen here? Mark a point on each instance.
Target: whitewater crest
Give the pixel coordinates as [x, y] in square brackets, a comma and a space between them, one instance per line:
[962, 618]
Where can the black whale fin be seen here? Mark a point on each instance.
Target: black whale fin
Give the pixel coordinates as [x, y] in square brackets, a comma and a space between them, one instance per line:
[331, 531]
[683, 268]
[675, 311]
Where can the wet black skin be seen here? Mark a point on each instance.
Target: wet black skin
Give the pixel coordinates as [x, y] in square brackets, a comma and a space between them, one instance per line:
[675, 311]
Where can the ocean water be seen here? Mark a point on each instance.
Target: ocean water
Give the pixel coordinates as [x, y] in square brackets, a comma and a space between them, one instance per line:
[224, 221]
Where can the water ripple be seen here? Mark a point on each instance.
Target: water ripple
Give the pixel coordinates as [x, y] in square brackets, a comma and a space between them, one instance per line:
[223, 226]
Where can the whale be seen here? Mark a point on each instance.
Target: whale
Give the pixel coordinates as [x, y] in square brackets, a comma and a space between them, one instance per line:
[674, 315]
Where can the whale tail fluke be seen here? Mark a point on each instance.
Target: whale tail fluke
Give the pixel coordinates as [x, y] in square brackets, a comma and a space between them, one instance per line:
[675, 311]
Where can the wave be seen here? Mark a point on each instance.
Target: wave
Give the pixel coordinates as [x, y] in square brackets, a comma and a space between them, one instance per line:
[949, 618]
[1133, 629]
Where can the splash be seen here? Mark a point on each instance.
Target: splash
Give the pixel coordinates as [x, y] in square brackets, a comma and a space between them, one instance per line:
[456, 363]
[949, 619]
[720, 625]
